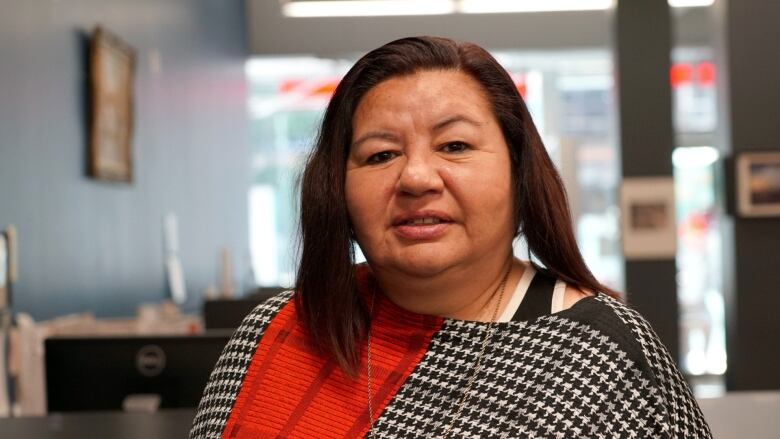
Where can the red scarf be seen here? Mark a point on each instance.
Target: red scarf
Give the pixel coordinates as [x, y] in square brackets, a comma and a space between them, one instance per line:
[291, 390]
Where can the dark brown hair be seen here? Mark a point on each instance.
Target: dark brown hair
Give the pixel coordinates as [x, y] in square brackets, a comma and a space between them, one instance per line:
[327, 297]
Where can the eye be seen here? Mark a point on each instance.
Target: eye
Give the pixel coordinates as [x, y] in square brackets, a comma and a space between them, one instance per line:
[455, 147]
[381, 157]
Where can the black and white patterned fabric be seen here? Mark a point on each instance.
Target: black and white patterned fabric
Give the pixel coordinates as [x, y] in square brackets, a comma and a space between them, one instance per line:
[228, 374]
[596, 370]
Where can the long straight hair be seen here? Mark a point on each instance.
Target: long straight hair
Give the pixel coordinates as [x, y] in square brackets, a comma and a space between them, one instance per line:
[326, 288]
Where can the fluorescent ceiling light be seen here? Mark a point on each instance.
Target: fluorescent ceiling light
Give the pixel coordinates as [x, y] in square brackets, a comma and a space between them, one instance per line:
[379, 8]
[690, 3]
[364, 8]
[496, 6]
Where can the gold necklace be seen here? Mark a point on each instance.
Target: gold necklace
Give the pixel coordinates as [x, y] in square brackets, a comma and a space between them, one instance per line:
[477, 365]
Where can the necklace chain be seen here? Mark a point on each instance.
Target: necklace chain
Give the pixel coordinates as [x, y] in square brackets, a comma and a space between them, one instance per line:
[477, 365]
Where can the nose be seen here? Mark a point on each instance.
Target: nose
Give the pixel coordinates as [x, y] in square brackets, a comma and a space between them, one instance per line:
[420, 175]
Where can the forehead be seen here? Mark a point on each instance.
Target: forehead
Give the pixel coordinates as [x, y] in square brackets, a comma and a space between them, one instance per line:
[423, 97]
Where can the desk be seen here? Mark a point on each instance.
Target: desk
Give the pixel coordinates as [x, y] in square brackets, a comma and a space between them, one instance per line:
[172, 423]
[739, 415]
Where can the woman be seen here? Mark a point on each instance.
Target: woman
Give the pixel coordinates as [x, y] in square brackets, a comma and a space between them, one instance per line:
[428, 159]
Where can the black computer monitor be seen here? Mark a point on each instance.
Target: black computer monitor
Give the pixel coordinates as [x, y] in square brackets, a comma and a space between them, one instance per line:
[229, 313]
[98, 373]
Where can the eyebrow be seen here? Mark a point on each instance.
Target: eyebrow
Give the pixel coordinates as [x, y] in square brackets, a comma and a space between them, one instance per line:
[438, 126]
[453, 120]
[382, 135]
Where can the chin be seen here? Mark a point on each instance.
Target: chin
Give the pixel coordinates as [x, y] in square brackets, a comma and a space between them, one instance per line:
[423, 265]
[422, 260]
[421, 270]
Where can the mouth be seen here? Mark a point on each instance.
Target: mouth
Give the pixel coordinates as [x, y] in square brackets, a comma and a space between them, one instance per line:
[422, 226]
[424, 218]
[423, 221]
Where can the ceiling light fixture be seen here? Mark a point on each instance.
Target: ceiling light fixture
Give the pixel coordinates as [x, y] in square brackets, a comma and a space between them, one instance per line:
[690, 3]
[379, 8]
[366, 8]
[498, 6]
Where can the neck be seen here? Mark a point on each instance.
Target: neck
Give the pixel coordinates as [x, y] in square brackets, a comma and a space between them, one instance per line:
[469, 293]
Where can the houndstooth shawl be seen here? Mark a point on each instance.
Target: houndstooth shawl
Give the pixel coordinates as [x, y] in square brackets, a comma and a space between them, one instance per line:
[595, 370]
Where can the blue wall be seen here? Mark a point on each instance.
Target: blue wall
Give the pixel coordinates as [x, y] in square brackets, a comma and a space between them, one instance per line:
[90, 245]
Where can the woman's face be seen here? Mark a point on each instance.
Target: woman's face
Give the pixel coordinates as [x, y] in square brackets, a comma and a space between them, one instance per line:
[428, 182]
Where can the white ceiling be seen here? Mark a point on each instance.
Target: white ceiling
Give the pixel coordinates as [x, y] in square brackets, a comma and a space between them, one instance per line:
[269, 32]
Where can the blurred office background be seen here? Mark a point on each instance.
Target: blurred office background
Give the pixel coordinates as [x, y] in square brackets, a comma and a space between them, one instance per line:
[228, 95]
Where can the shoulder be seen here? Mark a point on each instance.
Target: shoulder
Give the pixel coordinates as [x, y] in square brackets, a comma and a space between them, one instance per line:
[627, 328]
[617, 321]
[254, 324]
[229, 372]
[263, 313]
[246, 337]
[623, 325]
[622, 321]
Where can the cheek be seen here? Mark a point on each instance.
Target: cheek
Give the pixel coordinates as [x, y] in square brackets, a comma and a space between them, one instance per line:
[484, 192]
[354, 202]
[368, 197]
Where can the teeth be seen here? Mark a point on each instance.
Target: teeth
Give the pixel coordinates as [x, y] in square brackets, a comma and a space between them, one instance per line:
[418, 221]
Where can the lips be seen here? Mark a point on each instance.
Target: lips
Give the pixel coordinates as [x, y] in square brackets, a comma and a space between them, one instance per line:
[421, 217]
[421, 225]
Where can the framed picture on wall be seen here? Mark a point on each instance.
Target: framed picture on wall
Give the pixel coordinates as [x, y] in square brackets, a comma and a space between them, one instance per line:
[758, 184]
[112, 67]
[647, 218]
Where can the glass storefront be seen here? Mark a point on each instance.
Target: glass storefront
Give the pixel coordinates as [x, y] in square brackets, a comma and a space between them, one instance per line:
[286, 101]
[698, 195]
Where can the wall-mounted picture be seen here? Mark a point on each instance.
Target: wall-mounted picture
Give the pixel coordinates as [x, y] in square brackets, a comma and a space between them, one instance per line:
[758, 184]
[648, 218]
[112, 66]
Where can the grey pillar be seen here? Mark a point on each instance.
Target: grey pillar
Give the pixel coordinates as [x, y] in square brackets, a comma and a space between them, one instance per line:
[748, 87]
[642, 51]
